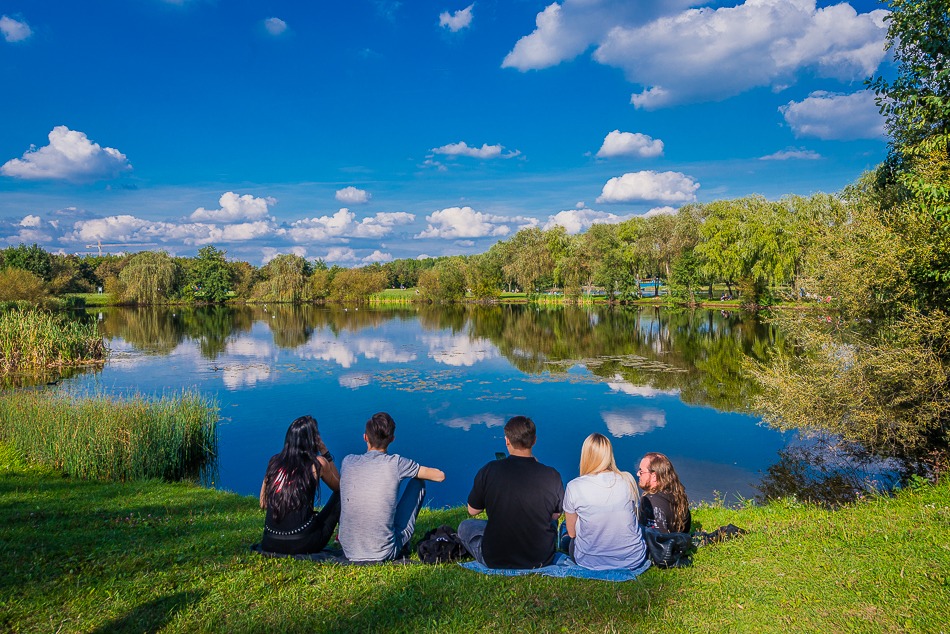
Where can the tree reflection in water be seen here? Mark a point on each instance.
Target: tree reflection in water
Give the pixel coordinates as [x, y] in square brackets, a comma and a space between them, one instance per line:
[697, 356]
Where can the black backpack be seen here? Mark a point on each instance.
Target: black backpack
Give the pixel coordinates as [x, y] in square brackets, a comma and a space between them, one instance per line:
[441, 545]
[668, 550]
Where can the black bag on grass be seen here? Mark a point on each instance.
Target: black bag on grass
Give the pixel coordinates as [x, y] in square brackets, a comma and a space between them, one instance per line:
[440, 545]
[668, 550]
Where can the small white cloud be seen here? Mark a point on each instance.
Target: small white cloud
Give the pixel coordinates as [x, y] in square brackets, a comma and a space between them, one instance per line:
[619, 143]
[275, 26]
[269, 253]
[235, 207]
[14, 30]
[423, 256]
[633, 423]
[352, 196]
[340, 255]
[465, 423]
[457, 20]
[354, 381]
[31, 221]
[792, 154]
[485, 152]
[660, 211]
[377, 256]
[834, 116]
[70, 155]
[342, 225]
[670, 187]
[578, 220]
[464, 222]
[459, 350]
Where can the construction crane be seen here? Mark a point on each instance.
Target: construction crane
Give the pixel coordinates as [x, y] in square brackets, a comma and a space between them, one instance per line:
[99, 245]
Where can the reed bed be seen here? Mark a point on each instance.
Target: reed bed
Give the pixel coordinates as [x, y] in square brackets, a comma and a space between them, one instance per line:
[108, 438]
[32, 340]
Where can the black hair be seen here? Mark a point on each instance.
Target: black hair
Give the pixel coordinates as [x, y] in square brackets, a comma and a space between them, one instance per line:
[521, 432]
[380, 430]
[293, 474]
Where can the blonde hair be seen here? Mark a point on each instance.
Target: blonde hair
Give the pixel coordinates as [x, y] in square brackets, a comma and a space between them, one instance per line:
[597, 456]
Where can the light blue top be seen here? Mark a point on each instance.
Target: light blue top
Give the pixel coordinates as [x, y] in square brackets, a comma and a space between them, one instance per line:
[608, 536]
[369, 488]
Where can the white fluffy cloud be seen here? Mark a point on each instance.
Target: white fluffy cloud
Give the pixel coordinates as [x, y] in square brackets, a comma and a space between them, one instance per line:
[14, 30]
[578, 220]
[660, 211]
[352, 196]
[792, 154]
[377, 256]
[633, 423]
[619, 143]
[31, 221]
[464, 222]
[70, 155]
[485, 152]
[828, 115]
[269, 253]
[126, 228]
[706, 54]
[457, 20]
[340, 255]
[275, 26]
[235, 207]
[342, 225]
[671, 187]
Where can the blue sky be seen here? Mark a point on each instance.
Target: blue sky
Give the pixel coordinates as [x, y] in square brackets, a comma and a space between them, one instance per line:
[369, 130]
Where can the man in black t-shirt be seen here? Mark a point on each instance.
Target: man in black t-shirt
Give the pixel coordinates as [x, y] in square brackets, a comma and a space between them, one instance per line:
[522, 498]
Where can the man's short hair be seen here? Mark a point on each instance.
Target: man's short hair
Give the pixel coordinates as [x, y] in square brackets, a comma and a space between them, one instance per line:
[521, 432]
[380, 430]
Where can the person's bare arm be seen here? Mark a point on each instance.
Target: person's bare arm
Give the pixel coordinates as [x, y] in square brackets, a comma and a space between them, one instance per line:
[263, 497]
[329, 474]
[570, 519]
[428, 473]
[473, 511]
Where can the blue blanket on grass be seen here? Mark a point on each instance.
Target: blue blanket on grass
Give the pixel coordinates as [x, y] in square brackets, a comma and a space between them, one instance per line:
[563, 566]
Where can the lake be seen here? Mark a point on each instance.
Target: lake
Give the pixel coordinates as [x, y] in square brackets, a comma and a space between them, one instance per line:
[650, 379]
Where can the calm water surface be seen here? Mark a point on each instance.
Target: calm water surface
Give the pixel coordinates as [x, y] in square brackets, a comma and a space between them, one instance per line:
[649, 379]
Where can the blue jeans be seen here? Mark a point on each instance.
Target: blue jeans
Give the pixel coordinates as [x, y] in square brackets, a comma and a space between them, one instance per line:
[471, 533]
[407, 510]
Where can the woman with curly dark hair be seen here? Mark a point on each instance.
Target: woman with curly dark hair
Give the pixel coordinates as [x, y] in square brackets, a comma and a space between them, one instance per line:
[290, 487]
[664, 505]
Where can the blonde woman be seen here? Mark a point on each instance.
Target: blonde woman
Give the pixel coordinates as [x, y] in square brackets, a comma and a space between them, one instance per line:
[600, 511]
[665, 506]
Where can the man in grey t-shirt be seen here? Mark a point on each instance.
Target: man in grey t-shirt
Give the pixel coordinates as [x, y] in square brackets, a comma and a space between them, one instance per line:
[374, 524]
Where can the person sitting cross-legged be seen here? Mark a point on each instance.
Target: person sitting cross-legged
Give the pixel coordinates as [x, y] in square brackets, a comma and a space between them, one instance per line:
[376, 523]
[600, 511]
[291, 483]
[522, 498]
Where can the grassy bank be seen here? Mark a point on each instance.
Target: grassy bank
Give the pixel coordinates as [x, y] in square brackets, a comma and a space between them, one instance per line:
[148, 556]
[32, 340]
[109, 438]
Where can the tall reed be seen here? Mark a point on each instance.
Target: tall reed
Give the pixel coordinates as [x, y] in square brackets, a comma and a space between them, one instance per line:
[109, 438]
[36, 339]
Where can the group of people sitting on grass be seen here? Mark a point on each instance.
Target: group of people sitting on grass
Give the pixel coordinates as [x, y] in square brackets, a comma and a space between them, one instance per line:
[604, 513]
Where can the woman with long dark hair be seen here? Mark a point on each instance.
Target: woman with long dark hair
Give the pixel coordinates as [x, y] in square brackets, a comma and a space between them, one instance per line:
[665, 506]
[290, 487]
[600, 511]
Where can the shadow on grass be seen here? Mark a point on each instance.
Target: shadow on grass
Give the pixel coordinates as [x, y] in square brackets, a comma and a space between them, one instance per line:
[151, 616]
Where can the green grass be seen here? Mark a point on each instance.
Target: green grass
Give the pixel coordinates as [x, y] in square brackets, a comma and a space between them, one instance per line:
[109, 438]
[395, 296]
[95, 299]
[150, 556]
[32, 340]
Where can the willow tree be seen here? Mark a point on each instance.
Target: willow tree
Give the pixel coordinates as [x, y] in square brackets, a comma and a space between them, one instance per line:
[148, 278]
[284, 279]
